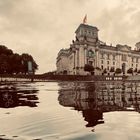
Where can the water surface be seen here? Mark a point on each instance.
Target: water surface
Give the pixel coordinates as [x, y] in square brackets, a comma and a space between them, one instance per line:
[70, 111]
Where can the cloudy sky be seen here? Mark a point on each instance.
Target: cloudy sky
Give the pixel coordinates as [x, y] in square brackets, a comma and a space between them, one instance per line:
[42, 27]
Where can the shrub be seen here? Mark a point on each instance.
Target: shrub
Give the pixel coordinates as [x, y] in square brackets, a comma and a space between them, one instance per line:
[130, 71]
[138, 71]
[105, 71]
[97, 68]
[135, 70]
[88, 68]
[118, 71]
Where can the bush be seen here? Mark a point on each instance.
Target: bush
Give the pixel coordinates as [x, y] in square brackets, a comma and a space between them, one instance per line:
[135, 70]
[138, 71]
[130, 71]
[88, 68]
[97, 68]
[118, 71]
[105, 71]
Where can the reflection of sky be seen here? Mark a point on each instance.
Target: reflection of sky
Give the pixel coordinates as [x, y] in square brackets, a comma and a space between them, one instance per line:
[122, 125]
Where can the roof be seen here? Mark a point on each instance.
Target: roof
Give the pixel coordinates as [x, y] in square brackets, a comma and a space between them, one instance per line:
[63, 52]
[119, 47]
[87, 27]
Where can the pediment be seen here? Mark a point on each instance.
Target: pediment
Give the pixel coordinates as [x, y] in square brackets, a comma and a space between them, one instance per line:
[123, 47]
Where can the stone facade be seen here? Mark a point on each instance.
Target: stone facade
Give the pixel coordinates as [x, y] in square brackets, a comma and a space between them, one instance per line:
[87, 49]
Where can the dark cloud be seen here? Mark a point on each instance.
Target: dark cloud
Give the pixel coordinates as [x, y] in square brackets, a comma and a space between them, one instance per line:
[6, 6]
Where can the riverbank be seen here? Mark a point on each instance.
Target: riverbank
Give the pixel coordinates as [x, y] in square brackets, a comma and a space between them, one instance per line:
[60, 78]
[54, 78]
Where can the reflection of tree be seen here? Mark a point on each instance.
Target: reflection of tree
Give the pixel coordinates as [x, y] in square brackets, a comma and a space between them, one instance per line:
[95, 98]
[11, 97]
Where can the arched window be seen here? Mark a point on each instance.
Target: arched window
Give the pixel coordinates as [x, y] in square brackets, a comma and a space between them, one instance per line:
[90, 53]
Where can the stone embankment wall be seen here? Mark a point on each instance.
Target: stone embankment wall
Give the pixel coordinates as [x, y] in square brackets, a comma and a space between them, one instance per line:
[60, 78]
[134, 78]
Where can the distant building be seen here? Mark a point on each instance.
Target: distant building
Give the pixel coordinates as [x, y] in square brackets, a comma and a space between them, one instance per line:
[87, 49]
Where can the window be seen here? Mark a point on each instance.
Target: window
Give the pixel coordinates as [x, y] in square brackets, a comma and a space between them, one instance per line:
[132, 59]
[90, 53]
[113, 57]
[107, 62]
[132, 65]
[137, 60]
[113, 63]
[90, 63]
[136, 65]
[102, 67]
[112, 69]
[108, 56]
[124, 57]
[107, 67]
[102, 62]
[102, 55]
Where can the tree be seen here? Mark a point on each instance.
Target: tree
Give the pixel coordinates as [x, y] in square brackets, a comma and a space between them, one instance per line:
[13, 62]
[5, 50]
[88, 68]
[16, 63]
[3, 64]
[25, 58]
[118, 71]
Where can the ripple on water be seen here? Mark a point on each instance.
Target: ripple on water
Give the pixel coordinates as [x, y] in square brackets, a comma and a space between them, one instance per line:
[53, 119]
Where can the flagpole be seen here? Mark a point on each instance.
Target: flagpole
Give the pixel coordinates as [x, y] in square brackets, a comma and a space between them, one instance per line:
[85, 19]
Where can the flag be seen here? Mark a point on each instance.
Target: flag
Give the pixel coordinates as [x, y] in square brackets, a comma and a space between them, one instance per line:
[85, 19]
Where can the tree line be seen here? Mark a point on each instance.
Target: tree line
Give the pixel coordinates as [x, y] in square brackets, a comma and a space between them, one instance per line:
[14, 63]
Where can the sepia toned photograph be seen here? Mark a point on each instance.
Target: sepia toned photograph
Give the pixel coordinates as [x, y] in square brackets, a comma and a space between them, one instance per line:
[69, 70]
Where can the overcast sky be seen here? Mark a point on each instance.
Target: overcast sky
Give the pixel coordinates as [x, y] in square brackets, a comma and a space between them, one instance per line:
[42, 27]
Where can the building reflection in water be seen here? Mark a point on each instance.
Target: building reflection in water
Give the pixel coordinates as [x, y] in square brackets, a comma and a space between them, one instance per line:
[11, 97]
[93, 99]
